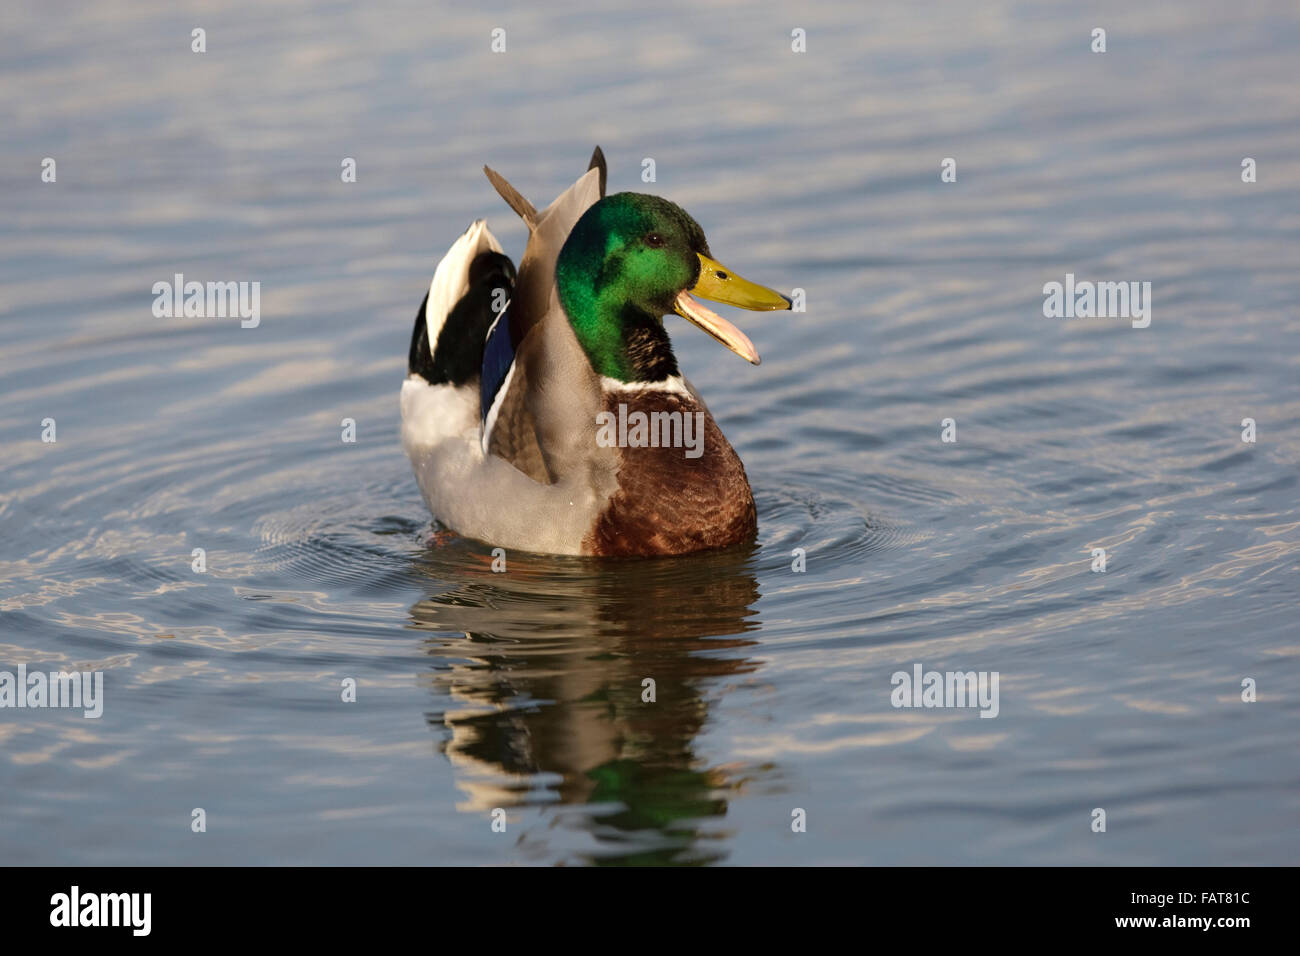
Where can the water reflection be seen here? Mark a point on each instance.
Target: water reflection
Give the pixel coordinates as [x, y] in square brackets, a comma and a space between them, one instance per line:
[546, 669]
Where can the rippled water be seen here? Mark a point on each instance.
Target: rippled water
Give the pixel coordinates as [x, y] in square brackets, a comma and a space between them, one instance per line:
[522, 690]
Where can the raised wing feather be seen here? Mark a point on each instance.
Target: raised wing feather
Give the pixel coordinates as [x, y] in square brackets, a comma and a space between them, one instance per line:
[552, 391]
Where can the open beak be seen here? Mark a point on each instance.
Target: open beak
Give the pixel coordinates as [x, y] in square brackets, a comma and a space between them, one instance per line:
[722, 285]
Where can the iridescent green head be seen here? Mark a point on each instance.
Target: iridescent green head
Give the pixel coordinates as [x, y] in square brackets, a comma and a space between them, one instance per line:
[632, 259]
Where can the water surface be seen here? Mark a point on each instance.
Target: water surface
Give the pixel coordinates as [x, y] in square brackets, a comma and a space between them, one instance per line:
[523, 690]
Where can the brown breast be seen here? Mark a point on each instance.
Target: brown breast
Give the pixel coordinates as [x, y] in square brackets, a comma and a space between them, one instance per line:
[668, 501]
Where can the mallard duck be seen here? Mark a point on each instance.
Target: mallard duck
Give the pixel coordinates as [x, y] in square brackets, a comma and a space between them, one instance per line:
[544, 410]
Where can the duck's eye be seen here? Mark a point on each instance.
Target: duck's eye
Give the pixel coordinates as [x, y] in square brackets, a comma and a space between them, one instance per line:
[654, 241]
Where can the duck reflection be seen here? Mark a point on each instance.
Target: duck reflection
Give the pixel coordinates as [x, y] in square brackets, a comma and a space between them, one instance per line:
[552, 666]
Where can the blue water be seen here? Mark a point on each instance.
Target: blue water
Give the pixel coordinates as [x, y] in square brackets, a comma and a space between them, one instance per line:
[522, 691]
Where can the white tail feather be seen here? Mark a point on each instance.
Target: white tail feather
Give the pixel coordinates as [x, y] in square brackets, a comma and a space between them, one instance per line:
[451, 278]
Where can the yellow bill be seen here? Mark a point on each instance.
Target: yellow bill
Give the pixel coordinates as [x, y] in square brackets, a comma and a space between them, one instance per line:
[720, 284]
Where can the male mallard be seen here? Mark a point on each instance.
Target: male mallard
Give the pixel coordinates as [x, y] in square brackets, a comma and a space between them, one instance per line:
[520, 409]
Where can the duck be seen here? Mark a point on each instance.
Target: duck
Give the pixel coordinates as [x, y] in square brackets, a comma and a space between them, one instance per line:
[544, 409]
